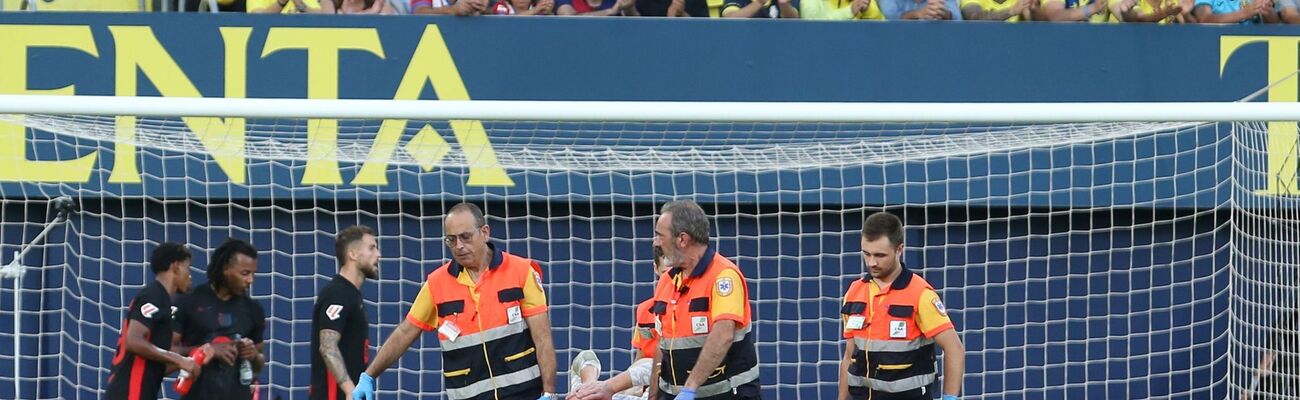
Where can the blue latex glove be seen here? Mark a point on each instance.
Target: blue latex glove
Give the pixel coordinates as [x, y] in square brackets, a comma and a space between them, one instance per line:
[949, 397]
[365, 388]
[686, 394]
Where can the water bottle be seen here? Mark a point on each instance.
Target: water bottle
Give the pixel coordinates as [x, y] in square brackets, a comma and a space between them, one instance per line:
[245, 368]
[183, 381]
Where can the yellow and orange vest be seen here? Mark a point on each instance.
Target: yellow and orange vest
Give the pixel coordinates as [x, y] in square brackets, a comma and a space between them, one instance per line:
[685, 321]
[493, 357]
[892, 353]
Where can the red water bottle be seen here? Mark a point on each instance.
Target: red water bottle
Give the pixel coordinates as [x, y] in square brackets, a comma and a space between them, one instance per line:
[183, 381]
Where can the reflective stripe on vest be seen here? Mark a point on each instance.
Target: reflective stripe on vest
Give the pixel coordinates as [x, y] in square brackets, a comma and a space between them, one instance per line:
[686, 320]
[892, 355]
[493, 356]
[475, 339]
[485, 386]
[716, 388]
[697, 341]
[857, 381]
[891, 345]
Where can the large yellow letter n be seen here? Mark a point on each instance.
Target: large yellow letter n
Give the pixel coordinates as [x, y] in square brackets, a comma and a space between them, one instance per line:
[14, 165]
[138, 51]
[1282, 136]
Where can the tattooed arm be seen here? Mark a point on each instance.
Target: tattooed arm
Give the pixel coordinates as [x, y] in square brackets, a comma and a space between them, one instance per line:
[329, 351]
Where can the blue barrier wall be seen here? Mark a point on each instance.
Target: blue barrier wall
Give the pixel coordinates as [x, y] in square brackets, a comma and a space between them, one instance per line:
[651, 59]
[1054, 301]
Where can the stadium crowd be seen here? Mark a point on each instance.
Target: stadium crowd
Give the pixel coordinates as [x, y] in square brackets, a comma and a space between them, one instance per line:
[1092, 11]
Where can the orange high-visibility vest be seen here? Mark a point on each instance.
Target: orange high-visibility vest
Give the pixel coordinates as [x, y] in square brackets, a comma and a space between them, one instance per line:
[892, 353]
[685, 321]
[646, 339]
[493, 357]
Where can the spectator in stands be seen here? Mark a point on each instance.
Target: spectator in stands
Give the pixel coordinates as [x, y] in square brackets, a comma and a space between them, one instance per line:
[841, 9]
[1287, 11]
[1096, 11]
[356, 7]
[995, 10]
[596, 8]
[1234, 12]
[222, 5]
[679, 8]
[1158, 11]
[522, 7]
[920, 9]
[652, 8]
[761, 9]
[1187, 17]
[696, 8]
[283, 6]
[401, 7]
[449, 7]
[318, 7]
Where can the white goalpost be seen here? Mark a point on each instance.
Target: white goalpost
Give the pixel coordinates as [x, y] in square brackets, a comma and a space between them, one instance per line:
[654, 111]
[1098, 250]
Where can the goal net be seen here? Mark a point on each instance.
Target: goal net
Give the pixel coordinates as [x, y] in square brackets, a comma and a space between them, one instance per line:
[1078, 260]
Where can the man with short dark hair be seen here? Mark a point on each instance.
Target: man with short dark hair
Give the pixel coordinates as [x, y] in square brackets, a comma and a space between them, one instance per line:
[596, 8]
[892, 321]
[221, 314]
[1243, 12]
[141, 360]
[339, 326]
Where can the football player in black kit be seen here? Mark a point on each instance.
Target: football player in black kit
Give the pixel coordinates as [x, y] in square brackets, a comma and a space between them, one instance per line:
[142, 359]
[220, 313]
[340, 339]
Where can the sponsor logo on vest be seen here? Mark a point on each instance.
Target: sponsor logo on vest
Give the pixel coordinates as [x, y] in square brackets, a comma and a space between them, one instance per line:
[699, 325]
[898, 329]
[513, 315]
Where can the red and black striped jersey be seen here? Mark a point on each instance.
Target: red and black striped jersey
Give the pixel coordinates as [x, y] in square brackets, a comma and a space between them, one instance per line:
[134, 377]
